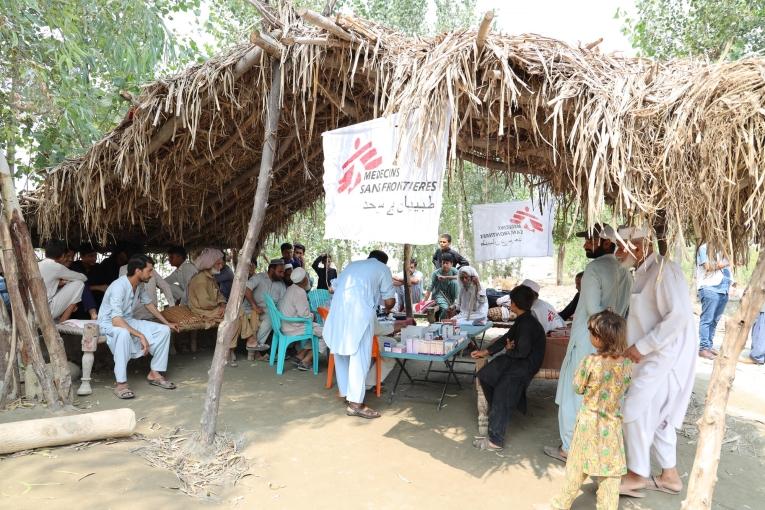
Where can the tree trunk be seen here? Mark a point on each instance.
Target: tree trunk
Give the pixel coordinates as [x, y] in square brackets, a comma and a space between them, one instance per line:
[559, 263]
[22, 243]
[407, 286]
[461, 223]
[228, 327]
[25, 330]
[701, 483]
[7, 353]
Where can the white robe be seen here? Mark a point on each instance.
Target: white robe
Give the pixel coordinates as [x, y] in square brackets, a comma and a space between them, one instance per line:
[546, 315]
[662, 327]
[605, 284]
[353, 313]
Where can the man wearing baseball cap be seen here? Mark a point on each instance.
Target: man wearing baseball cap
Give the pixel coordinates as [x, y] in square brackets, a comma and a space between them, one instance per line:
[605, 285]
[662, 340]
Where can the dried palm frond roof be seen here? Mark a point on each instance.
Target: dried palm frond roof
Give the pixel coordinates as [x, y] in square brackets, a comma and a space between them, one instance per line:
[680, 139]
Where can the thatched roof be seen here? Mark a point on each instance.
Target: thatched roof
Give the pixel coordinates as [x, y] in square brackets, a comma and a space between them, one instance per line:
[684, 137]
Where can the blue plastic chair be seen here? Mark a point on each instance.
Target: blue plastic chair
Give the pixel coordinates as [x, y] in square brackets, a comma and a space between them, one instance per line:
[317, 298]
[281, 341]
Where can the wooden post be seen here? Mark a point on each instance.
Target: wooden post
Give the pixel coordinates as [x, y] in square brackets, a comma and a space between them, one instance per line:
[559, 263]
[22, 243]
[701, 483]
[407, 286]
[483, 30]
[25, 331]
[7, 355]
[228, 327]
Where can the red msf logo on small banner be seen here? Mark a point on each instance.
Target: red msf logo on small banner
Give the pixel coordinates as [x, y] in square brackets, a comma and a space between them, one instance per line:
[528, 221]
[367, 156]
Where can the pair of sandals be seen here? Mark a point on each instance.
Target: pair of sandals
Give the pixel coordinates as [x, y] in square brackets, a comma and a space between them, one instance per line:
[126, 393]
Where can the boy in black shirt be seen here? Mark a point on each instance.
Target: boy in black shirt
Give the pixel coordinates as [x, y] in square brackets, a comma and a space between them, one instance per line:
[505, 379]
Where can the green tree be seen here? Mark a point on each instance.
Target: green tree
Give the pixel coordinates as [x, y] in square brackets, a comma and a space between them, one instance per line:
[62, 65]
[681, 28]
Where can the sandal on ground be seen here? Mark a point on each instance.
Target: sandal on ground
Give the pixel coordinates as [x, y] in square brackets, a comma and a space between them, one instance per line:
[162, 383]
[124, 393]
[483, 443]
[362, 412]
[302, 367]
[654, 484]
[554, 452]
[631, 493]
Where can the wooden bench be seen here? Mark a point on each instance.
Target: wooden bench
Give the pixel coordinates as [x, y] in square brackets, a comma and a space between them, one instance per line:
[91, 337]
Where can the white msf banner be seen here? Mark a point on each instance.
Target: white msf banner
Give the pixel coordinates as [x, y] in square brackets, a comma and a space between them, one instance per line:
[372, 195]
[512, 229]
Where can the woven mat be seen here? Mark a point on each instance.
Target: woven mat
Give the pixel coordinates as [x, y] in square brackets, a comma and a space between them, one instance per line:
[188, 320]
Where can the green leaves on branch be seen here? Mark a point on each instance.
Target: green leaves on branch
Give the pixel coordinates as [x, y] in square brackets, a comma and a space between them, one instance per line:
[710, 28]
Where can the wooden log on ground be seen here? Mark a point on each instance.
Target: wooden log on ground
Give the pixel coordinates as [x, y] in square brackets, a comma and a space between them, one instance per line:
[701, 483]
[228, 327]
[28, 434]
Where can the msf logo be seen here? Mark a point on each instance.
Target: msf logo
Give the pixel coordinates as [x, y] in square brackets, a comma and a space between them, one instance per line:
[528, 221]
[365, 158]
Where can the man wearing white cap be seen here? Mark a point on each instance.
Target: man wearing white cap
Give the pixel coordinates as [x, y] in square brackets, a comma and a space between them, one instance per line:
[270, 282]
[294, 303]
[605, 285]
[543, 311]
[663, 341]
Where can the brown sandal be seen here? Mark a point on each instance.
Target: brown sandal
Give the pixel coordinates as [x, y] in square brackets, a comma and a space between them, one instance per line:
[362, 412]
[124, 393]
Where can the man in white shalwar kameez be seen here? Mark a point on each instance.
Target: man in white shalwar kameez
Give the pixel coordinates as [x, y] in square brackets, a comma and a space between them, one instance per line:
[663, 341]
[605, 285]
[350, 326]
[129, 338]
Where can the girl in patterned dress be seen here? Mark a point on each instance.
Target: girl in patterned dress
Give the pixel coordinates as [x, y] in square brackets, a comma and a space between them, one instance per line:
[597, 448]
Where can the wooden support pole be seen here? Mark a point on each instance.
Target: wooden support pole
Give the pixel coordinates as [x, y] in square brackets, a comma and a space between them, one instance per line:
[25, 330]
[22, 243]
[28, 434]
[228, 327]
[264, 40]
[483, 30]
[8, 337]
[407, 284]
[701, 483]
[316, 19]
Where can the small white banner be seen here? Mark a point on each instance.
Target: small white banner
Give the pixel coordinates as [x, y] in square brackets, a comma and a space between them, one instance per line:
[512, 229]
[372, 195]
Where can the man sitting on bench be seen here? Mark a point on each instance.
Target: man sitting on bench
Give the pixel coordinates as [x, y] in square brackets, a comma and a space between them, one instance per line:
[64, 287]
[130, 338]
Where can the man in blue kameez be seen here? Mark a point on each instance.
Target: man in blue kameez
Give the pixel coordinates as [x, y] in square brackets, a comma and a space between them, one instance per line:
[350, 326]
[606, 284]
[129, 338]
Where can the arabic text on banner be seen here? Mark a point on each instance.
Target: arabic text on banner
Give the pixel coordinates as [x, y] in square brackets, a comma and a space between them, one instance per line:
[512, 229]
[370, 195]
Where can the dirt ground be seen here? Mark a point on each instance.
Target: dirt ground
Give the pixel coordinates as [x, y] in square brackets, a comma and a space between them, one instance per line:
[304, 452]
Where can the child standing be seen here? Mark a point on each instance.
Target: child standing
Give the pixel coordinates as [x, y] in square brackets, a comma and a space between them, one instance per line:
[597, 448]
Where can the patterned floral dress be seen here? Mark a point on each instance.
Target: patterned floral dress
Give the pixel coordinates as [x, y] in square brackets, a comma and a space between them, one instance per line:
[597, 447]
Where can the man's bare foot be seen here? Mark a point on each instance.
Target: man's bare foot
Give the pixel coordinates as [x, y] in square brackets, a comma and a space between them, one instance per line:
[669, 479]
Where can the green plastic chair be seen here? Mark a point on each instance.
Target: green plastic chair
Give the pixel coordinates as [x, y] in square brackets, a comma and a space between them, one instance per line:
[281, 341]
[317, 298]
